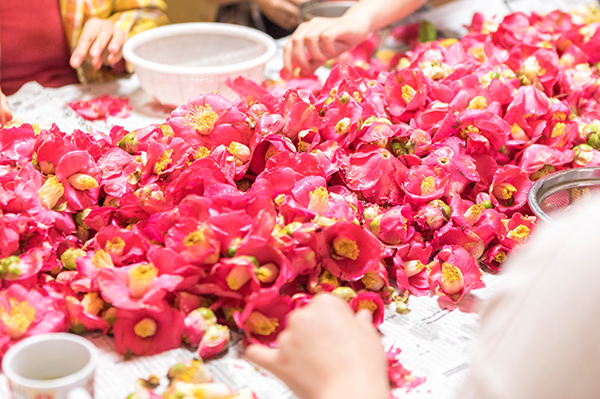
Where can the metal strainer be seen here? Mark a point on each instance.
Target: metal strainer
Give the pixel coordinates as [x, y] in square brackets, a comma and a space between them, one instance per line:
[558, 192]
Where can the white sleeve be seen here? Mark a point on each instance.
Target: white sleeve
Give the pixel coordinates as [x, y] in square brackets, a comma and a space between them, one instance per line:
[540, 333]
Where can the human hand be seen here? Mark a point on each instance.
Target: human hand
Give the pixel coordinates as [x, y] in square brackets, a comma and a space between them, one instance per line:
[323, 39]
[327, 352]
[284, 13]
[100, 44]
[5, 115]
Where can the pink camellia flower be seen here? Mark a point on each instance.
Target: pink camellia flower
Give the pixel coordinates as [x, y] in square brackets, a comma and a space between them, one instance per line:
[123, 245]
[406, 90]
[238, 274]
[146, 332]
[101, 107]
[16, 143]
[136, 286]
[423, 184]
[196, 242]
[85, 313]
[214, 341]
[9, 236]
[376, 173]
[529, 101]
[208, 121]
[348, 251]
[80, 178]
[263, 317]
[197, 322]
[494, 257]
[534, 66]
[27, 312]
[454, 273]
[539, 160]
[394, 225]
[509, 188]
[201, 175]
[410, 263]
[517, 230]
[370, 301]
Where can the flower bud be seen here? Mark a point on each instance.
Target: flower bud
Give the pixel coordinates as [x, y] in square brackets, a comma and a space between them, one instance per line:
[50, 192]
[267, 273]
[373, 281]
[215, 340]
[129, 143]
[9, 267]
[70, 256]
[190, 371]
[81, 181]
[346, 293]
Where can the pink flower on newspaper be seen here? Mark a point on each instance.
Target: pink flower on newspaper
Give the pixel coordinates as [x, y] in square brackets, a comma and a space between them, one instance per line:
[399, 376]
[26, 312]
[208, 121]
[410, 263]
[136, 286]
[509, 188]
[539, 160]
[406, 91]
[377, 174]
[517, 230]
[16, 143]
[146, 332]
[80, 178]
[263, 317]
[101, 107]
[349, 251]
[394, 225]
[423, 184]
[195, 241]
[123, 245]
[454, 273]
[370, 301]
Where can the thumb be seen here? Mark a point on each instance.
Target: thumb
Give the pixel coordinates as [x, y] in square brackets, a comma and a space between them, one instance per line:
[364, 318]
[262, 355]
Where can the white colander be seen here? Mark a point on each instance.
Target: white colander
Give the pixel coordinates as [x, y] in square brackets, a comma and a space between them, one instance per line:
[176, 62]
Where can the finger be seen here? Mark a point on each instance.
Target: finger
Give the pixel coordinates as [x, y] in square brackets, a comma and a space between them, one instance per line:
[115, 47]
[296, 51]
[262, 356]
[100, 45]
[87, 38]
[5, 114]
[364, 317]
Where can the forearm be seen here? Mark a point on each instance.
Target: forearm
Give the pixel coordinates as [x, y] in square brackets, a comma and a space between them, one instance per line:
[382, 13]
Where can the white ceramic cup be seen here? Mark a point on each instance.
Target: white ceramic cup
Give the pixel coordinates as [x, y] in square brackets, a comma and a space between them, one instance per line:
[51, 366]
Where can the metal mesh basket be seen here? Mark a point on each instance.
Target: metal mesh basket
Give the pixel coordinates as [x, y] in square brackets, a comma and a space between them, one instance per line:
[326, 9]
[558, 192]
[176, 62]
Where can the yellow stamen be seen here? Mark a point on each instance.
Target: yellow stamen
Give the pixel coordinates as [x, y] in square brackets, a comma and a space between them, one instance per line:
[81, 181]
[319, 200]
[448, 42]
[413, 267]
[518, 133]
[478, 102]
[115, 246]
[373, 281]
[345, 247]
[479, 54]
[343, 126]
[196, 237]
[51, 192]
[271, 151]
[163, 161]
[237, 277]
[328, 278]
[201, 118]
[260, 324]
[102, 260]
[279, 199]
[140, 279]
[408, 93]
[368, 304]
[504, 191]
[464, 133]
[452, 279]
[239, 151]
[500, 257]
[559, 115]
[558, 130]
[92, 303]
[427, 185]
[519, 233]
[166, 129]
[145, 328]
[19, 319]
[267, 273]
[203, 152]
[474, 212]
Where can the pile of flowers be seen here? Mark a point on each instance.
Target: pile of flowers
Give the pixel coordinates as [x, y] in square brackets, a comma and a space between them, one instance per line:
[409, 175]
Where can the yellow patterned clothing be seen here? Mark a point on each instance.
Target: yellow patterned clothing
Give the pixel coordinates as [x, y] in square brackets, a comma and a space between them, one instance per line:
[131, 16]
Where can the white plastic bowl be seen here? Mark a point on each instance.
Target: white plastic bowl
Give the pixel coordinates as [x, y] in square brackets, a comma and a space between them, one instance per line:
[176, 62]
